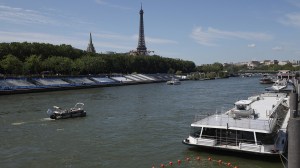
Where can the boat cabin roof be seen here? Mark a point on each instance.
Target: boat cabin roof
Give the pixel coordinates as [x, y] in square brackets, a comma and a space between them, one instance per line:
[243, 102]
[223, 121]
[261, 122]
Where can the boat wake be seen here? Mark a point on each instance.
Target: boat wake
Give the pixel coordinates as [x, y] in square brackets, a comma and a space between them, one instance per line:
[46, 119]
[18, 123]
[30, 122]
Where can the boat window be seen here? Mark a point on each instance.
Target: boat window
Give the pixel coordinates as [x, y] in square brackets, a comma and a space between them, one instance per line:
[195, 131]
[265, 138]
[241, 107]
[222, 133]
[245, 136]
[209, 132]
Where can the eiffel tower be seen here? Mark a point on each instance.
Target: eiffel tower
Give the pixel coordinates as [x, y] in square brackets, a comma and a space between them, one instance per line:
[141, 48]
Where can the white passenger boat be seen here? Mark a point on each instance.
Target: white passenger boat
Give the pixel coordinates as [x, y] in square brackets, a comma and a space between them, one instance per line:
[280, 84]
[256, 125]
[174, 81]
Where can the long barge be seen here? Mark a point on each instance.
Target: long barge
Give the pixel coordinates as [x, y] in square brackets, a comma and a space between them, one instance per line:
[256, 125]
[10, 86]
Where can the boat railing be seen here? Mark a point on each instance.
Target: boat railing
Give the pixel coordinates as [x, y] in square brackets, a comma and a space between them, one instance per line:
[226, 121]
[78, 106]
[229, 140]
[201, 116]
[242, 144]
[276, 106]
[250, 147]
[273, 119]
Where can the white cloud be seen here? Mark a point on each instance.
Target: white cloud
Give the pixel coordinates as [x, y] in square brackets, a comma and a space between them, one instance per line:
[204, 38]
[155, 40]
[160, 41]
[103, 2]
[19, 15]
[48, 16]
[58, 39]
[294, 2]
[251, 45]
[112, 45]
[134, 38]
[291, 19]
[102, 41]
[277, 48]
[211, 35]
[37, 37]
[111, 36]
[100, 2]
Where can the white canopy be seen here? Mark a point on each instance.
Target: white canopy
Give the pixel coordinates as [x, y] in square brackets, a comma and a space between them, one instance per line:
[243, 102]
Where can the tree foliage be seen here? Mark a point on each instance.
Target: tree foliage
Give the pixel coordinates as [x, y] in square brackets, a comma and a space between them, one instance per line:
[33, 58]
[11, 64]
[32, 64]
[58, 65]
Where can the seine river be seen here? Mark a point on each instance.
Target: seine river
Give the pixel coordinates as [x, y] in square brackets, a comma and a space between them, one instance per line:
[133, 126]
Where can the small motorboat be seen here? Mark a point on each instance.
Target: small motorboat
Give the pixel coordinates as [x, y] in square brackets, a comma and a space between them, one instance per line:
[279, 84]
[174, 81]
[266, 80]
[59, 113]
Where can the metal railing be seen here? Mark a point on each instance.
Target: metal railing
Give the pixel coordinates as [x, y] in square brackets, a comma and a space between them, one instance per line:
[223, 120]
[241, 144]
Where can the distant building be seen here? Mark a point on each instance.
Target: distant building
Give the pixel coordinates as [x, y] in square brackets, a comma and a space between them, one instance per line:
[295, 62]
[283, 62]
[269, 62]
[287, 74]
[266, 62]
[241, 63]
[253, 64]
[110, 52]
[90, 48]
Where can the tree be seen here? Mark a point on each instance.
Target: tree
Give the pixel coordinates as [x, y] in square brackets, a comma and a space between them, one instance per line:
[288, 66]
[65, 59]
[171, 71]
[59, 65]
[90, 65]
[33, 65]
[11, 65]
[178, 72]
[217, 67]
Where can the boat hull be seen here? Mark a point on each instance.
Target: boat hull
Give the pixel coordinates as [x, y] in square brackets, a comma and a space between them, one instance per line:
[74, 114]
[266, 82]
[233, 151]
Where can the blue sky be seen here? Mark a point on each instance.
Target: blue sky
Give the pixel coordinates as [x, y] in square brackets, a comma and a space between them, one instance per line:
[203, 31]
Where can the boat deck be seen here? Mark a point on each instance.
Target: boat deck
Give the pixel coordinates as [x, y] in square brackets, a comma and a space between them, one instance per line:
[261, 122]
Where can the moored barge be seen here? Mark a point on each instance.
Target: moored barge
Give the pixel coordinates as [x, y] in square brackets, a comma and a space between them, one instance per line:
[256, 125]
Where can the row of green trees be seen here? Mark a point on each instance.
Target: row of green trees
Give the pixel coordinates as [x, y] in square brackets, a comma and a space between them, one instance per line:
[220, 70]
[232, 69]
[34, 58]
[45, 50]
[276, 67]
